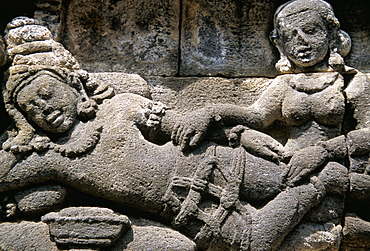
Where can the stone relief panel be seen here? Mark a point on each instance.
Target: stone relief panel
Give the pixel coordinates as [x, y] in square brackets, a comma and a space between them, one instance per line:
[95, 161]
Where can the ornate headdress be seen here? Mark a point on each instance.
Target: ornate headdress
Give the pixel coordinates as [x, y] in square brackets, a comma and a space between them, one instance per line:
[33, 54]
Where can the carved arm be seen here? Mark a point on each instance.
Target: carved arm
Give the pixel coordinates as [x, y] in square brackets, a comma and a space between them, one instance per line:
[190, 130]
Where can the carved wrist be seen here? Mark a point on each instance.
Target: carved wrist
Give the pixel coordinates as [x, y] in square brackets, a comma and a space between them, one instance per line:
[235, 134]
[155, 115]
[336, 147]
[214, 114]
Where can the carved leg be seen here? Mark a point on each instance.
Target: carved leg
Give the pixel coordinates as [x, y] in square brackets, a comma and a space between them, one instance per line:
[7, 161]
[274, 221]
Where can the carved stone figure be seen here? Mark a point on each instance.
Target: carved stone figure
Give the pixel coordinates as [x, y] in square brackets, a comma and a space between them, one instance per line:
[312, 99]
[134, 151]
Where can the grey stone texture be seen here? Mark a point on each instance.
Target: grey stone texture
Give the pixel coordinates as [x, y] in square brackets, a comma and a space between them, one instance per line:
[93, 226]
[356, 233]
[26, 236]
[227, 38]
[273, 157]
[184, 38]
[125, 36]
[41, 199]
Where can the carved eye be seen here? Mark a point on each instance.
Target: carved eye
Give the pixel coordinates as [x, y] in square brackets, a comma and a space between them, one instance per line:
[310, 30]
[45, 93]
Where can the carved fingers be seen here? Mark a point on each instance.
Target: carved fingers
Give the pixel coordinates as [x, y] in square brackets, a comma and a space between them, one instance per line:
[20, 144]
[304, 162]
[257, 143]
[190, 130]
[186, 136]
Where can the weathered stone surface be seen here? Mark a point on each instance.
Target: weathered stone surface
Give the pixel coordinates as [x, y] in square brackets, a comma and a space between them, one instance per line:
[2, 53]
[123, 82]
[147, 235]
[143, 235]
[26, 236]
[233, 164]
[356, 233]
[227, 38]
[128, 36]
[314, 237]
[331, 209]
[226, 29]
[40, 199]
[359, 187]
[359, 56]
[335, 178]
[184, 94]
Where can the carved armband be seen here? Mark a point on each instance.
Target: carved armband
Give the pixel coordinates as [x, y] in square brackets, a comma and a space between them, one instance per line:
[234, 135]
[156, 111]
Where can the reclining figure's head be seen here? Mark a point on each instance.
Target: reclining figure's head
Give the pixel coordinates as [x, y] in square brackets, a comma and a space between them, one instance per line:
[48, 101]
[46, 89]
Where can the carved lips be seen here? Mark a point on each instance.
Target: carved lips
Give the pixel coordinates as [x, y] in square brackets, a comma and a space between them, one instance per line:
[55, 118]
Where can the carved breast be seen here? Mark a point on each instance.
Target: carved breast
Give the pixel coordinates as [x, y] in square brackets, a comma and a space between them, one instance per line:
[315, 96]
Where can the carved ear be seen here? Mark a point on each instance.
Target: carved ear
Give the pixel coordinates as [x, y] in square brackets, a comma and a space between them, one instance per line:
[274, 37]
[343, 43]
[283, 65]
[339, 48]
[336, 61]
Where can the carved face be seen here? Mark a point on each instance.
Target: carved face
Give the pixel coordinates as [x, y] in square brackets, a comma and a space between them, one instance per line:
[50, 103]
[305, 38]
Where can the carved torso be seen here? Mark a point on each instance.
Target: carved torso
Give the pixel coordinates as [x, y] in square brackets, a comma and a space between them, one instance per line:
[317, 96]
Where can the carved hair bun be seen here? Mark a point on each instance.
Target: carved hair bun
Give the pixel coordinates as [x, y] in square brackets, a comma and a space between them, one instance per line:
[20, 21]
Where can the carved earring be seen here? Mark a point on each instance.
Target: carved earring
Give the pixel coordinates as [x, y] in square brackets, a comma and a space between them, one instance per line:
[86, 108]
[339, 48]
[283, 65]
[336, 61]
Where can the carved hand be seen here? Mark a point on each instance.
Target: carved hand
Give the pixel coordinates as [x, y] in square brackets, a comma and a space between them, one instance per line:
[190, 129]
[257, 143]
[19, 143]
[304, 162]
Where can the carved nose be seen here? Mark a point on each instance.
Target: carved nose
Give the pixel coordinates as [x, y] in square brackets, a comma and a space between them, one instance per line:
[47, 109]
[301, 36]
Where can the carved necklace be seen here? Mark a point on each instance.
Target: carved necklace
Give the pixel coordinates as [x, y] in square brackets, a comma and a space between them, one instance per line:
[313, 82]
[84, 137]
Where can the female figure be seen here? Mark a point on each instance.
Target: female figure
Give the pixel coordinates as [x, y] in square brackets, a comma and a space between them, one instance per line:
[310, 97]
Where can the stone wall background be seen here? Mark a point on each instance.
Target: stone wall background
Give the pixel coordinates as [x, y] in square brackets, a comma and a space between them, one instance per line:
[227, 38]
[178, 44]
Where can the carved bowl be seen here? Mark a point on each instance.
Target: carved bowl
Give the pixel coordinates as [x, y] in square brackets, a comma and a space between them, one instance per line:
[86, 226]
